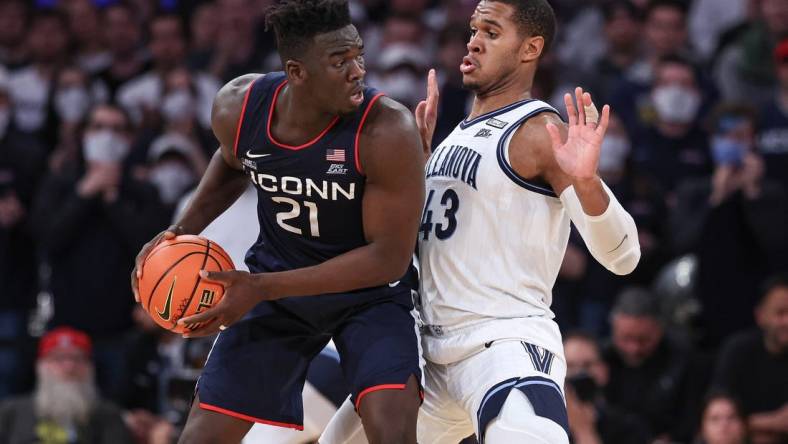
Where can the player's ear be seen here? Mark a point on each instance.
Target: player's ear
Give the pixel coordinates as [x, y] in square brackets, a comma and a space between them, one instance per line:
[531, 49]
[296, 71]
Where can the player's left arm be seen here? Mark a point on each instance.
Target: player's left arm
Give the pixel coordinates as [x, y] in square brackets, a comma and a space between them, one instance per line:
[392, 160]
[568, 155]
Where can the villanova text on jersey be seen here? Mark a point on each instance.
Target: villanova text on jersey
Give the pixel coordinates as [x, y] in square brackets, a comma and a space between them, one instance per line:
[455, 161]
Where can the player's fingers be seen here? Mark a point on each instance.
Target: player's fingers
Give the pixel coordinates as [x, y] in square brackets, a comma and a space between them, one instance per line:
[210, 328]
[134, 284]
[168, 235]
[581, 113]
[432, 85]
[219, 277]
[571, 113]
[604, 121]
[204, 316]
[592, 114]
[421, 109]
[555, 136]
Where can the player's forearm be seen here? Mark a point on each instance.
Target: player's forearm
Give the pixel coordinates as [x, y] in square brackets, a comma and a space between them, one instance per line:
[592, 196]
[221, 185]
[611, 236]
[368, 266]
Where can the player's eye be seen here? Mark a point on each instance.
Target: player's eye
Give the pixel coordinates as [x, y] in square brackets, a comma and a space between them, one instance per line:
[339, 64]
[473, 31]
[492, 34]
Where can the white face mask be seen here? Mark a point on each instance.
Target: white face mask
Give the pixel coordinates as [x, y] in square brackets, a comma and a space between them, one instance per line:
[171, 179]
[72, 103]
[178, 106]
[615, 149]
[676, 103]
[5, 120]
[401, 85]
[105, 146]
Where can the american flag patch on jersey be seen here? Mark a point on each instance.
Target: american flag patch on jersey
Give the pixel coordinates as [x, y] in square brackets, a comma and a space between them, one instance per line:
[335, 155]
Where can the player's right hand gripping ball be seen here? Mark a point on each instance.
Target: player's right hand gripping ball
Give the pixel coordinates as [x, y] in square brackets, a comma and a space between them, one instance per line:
[171, 286]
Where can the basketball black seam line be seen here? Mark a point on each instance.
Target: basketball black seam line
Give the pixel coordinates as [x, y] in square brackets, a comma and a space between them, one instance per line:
[196, 283]
[161, 278]
[215, 247]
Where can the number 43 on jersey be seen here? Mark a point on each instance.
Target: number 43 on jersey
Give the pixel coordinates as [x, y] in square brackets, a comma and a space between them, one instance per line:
[449, 203]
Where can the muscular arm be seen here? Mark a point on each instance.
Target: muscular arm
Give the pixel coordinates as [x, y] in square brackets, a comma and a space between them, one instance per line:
[223, 181]
[607, 229]
[390, 150]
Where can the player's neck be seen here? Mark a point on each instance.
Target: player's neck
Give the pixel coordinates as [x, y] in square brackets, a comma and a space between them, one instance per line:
[295, 109]
[496, 98]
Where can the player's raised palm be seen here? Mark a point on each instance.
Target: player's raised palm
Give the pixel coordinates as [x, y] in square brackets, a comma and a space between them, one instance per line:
[578, 156]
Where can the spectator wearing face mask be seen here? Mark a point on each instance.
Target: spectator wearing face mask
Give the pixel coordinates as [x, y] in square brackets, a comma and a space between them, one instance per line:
[722, 421]
[22, 162]
[89, 220]
[71, 101]
[175, 167]
[592, 419]
[141, 96]
[773, 122]
[65, 406]
[753, 365]
[734, 222]
[674, 146]
[401, 70]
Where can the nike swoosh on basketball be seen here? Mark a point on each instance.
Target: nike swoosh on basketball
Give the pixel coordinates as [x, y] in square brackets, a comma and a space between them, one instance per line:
[165, 314]
[255, 156]
[393, 284]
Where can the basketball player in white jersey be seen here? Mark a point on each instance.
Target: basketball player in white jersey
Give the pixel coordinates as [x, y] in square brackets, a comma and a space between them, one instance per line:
[502, 189]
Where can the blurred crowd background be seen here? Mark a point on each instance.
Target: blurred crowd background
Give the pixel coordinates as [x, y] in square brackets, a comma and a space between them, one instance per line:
[104, 128]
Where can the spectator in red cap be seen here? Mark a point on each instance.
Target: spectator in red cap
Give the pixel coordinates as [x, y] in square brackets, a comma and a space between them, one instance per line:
[64, 408]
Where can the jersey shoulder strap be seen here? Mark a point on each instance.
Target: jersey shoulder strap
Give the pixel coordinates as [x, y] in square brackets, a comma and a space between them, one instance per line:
[255, 105]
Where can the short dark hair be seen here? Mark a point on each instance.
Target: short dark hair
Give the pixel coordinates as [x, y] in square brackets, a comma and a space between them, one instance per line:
[677, 59]
[610, 8]
[637, 302]
[535, 18]
[778, 280]
[679, 5]
[296, 22]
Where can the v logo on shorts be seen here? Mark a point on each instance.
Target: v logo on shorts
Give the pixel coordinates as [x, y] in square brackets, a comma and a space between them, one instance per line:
[541, 358]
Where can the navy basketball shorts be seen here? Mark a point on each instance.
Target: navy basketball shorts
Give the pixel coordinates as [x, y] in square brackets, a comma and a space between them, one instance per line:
[257, 367]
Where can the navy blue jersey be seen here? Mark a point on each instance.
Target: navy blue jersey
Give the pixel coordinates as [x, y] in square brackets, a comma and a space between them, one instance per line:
[309, 196]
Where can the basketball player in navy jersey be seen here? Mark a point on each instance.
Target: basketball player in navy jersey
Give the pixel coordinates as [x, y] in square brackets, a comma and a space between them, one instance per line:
[337, 168]
[502, 189]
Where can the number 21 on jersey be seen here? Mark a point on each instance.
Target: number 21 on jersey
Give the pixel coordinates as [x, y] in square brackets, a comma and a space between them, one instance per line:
[449, 203]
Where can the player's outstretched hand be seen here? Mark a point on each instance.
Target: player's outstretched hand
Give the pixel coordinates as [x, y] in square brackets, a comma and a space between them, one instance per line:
[136, 273]
[578, 156]
[240, 295]
[427, 113]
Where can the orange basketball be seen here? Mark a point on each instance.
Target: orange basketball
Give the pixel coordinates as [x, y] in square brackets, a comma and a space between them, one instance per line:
[171, 286]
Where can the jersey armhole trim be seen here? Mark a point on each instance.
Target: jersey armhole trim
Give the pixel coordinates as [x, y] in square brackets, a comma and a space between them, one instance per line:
[358, 132]
[241, 117]
[503, 158]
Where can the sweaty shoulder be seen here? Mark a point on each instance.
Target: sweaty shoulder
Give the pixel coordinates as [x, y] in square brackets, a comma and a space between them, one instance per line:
[389, 129]
[531, 151]
[227, 108]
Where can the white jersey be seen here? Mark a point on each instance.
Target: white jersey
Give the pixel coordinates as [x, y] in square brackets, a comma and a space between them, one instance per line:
[491, 242]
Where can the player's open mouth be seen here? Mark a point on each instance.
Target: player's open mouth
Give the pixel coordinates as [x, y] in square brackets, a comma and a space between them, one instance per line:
[357, 97]
[468, 65]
